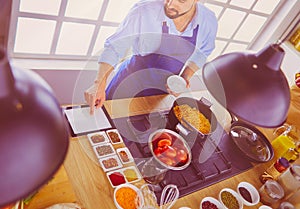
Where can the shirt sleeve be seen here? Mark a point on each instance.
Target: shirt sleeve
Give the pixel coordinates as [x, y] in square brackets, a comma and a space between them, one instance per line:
[117, 45]
[205, 41]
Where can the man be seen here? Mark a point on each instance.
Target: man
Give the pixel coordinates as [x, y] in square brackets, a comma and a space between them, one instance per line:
[166, 37]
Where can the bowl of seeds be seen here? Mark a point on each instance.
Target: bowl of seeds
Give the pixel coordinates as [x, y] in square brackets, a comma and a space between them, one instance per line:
[230, 199]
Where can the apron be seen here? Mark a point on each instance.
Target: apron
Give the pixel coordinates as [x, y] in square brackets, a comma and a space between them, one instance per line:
[147, 75]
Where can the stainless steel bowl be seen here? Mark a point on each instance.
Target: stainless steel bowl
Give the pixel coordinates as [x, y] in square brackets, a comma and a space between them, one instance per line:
[177, 141]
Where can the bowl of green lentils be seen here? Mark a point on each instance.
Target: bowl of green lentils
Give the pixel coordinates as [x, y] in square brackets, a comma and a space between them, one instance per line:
[230, 199]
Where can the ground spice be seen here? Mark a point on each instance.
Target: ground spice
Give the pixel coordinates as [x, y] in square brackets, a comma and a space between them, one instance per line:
[114, 137]
[117, 178]
[245, 194]
[97, 138]
[127, 198]
[110, 163]
[208, 205]
[130, 175]
[124, 156]
[229, 200]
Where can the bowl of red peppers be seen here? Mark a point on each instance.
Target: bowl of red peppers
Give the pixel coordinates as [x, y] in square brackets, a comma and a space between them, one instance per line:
[170, 149]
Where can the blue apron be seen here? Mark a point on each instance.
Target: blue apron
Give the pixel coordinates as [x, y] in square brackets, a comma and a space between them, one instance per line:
[147, 75]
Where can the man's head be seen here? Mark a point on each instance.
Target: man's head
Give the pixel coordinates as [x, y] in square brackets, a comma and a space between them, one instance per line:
[177, 8]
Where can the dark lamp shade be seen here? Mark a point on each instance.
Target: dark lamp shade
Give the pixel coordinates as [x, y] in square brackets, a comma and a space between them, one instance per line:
[33, 134]
[251, 86]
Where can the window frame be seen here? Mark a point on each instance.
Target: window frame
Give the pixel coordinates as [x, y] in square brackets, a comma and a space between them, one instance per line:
[100, 22]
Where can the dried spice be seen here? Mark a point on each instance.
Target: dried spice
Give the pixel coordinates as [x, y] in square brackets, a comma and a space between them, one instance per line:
[245, 194]
[114, 137]
[229, 200]
[208, 205]
[104, 150]
[97, 138]
[110, 163]
[127, 198]
[117, 178]
[123, 155]
[130, 174]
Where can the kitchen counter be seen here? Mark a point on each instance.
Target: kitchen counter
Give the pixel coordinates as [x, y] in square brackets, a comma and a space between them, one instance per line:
[89, 183]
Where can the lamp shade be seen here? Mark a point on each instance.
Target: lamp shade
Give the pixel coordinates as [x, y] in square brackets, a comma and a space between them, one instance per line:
[250, 85]
[33, 134]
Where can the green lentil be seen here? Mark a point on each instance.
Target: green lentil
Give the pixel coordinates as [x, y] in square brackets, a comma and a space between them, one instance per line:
[229, 200]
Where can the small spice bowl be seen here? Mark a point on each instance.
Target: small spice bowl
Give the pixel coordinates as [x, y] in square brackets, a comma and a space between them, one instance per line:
[208, 202]
[114, 136]
[229, 196]
[116, 178]
[249, 194]
[124, 155]
[128, 194]
[176, 84]
[98, 138]
[110, 163]
[265, 207]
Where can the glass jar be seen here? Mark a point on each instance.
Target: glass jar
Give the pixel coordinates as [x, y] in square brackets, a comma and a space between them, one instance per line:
[287, 137]
[290, 180]
[271, 192]
[292, 154]
[152, 171]
[286, 205]
[275, 170]
[294, 199]
[295, 37]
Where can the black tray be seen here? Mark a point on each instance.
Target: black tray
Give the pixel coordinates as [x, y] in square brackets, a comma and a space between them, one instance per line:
[220, 158]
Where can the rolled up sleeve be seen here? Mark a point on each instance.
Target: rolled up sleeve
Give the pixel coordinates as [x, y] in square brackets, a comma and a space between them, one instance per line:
[206, 41]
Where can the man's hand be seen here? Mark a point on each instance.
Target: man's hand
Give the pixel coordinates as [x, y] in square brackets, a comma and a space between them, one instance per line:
[95, 96]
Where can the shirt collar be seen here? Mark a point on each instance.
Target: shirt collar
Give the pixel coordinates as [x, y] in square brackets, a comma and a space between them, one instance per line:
[193, 24]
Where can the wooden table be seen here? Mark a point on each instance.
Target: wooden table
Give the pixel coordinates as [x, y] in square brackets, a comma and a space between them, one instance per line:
[90, 184]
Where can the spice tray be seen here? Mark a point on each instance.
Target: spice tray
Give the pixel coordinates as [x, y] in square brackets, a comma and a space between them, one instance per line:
[104, 150]
[98, 138]
[124, 175]
[124, 155]
[110, 163]
[114, 136]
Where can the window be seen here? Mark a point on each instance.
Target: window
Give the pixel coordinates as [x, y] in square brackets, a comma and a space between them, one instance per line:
[241, 22]
[49, 28]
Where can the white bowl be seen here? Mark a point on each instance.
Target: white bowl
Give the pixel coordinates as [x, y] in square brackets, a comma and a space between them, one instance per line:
[234, 193]
[137, 190]
[265, 207]
[253, 193]
[176, 84]
[212, 200]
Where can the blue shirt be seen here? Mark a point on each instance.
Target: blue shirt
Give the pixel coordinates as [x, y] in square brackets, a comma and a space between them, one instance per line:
[141, 30]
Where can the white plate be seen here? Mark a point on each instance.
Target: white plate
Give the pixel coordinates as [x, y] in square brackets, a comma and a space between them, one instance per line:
[126, 150]
[101, 133]
[176, 84]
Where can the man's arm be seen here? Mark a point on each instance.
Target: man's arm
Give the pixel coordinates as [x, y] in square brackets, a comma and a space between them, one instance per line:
[95, 95]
